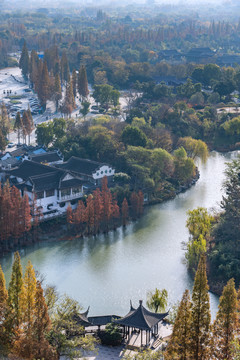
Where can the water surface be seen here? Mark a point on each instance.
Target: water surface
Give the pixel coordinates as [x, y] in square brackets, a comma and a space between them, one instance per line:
[107, 271]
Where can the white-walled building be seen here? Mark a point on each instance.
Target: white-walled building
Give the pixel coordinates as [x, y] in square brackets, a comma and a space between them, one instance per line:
[55, 187]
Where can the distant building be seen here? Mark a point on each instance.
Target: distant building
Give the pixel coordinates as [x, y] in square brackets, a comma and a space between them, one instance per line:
[200, 55]
[58, 185]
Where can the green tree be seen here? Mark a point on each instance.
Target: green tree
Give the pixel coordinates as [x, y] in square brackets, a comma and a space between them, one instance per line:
[199, 224]
[24, 60]
[57, 94]
[83, 82]
[201, 318]
[179, 344]
[3, 142]
[74, 82]
[67, 335]
[134, 136]
[15, 290]
[225, 254]
[157, 301]
[3, 313]
[225, 325]
[85, 108]
[44, 133]
[44, 86]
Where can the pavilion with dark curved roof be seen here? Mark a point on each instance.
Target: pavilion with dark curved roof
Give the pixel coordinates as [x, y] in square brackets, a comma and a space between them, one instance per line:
[141, 319]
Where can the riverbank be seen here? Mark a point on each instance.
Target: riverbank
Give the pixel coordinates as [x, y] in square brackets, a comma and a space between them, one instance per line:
[59, 229]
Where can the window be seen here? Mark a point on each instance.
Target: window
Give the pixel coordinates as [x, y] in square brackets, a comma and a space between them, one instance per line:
[101, 172]
[105, 171]
[97, 173]
[76, 190]
[50, 193]
[110, 171]
[40, 194]
[66, 192]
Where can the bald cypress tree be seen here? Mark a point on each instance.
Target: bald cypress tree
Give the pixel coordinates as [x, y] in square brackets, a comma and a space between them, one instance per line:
[3, 313]
[24, 61]
[57, 90]
[24, 345]
[69, 102]
[225, 325]
[44, 85]
[179, 344]
[18, 125]
[15, 290]
[201, 317]
[83, 82]
[74, 82]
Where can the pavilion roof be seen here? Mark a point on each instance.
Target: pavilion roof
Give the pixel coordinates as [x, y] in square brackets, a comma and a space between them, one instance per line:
[141, 318]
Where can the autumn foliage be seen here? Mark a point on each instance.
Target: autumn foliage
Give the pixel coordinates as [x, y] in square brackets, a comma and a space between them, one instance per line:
[102, 213]
[15, 217]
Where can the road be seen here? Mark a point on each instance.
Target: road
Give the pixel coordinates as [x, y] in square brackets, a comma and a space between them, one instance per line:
[12, 83]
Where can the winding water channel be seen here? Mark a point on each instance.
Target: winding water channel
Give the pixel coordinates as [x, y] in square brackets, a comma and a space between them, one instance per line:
[107, 271]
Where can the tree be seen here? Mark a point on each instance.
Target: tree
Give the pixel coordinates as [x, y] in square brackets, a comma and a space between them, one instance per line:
[225, 255]
[74, 82]
[15, 290]
[57, 93]
[179, 344]
[132, 135]
[24, 60]
[83, 82]
[24, 345]
[67, 334]
[69, 102]
[157, 301]
[27, 126]
[4, 123]
[44, 133]
[225, 325]
[199, 224]
[124, 212]
[85, 108]
[3, 142]
[41, 328]
[44, 86]
[194, 148]
[201, 318]
[3, 313]
[65, 73]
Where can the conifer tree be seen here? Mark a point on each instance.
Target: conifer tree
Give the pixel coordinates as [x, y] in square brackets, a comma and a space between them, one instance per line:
[225, 325]
[74, 82]
[124, 212]
[15, 290]
[33, 68]
[18, 125]
[201, 318]
[27, 126]
[69, 102]
[65, 73]
[3, 142]
[3, 312]
[83, 82]
[41, 326]
[4, 123]
[24, 61]
[43, 92]
[134, 205]
[57, 90]
[179, 344]
[28, 298]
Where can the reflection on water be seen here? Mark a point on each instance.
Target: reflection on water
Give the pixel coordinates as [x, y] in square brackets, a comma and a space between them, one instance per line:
[107, 271]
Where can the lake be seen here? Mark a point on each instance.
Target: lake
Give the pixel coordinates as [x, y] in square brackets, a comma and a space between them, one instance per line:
[107, 271]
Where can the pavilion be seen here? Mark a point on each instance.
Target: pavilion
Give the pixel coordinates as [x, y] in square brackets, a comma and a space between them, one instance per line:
[142, 320]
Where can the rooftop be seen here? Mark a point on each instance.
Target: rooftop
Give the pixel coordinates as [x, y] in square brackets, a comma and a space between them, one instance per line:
[141, 318]
[81, 166]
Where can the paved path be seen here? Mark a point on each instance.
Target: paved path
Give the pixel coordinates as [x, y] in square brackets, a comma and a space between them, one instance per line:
[104, 353]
